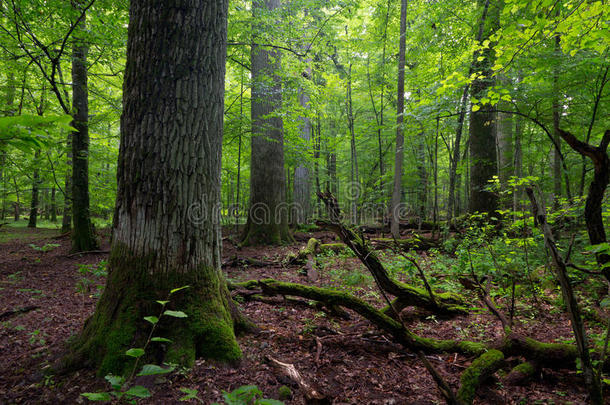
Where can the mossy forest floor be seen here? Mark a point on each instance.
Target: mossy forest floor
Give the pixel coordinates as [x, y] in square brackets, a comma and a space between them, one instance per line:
[350, 360]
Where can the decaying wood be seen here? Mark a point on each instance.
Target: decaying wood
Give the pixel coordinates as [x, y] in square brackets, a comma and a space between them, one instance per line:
[312, 394]
[247, 261]
[445, 303]
[12, 313]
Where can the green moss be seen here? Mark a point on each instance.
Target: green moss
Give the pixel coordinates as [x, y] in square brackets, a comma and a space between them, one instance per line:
[284, 393]
[525, 368]
[480, 369]
[131, 294]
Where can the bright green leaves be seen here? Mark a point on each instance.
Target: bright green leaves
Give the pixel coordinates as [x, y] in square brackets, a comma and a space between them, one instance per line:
[153, 369]
[175, 314]
[135, 352]
[28, 132]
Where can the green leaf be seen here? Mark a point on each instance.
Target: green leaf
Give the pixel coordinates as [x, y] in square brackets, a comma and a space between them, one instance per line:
[268, 402]
[190, 394]
[116, 381]
[163, 302]
[476, 107]
[97, 396]
[178, 289]
[138, 391]
[135, 352]
[175, 314]
[152, 319]
[153, 369]
[160, 339]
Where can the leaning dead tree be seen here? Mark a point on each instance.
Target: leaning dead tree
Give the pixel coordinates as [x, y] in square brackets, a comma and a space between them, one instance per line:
[487, 358]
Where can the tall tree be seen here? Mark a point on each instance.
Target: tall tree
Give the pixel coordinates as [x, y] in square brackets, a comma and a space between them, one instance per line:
[400, 135]
[483, 156]
[166, 230]
[268, 213]
[83, 236]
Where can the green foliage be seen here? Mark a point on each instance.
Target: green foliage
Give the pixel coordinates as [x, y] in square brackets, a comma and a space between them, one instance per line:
[247, 395]
[29, 132]
[45, 248]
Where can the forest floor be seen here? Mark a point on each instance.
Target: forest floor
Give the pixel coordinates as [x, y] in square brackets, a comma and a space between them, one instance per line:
[349, 360]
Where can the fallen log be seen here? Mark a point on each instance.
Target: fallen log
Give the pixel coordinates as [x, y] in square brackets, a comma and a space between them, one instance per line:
[479, 371]
[246, 261]
[440, 303]
[12, 313]
[556, 355]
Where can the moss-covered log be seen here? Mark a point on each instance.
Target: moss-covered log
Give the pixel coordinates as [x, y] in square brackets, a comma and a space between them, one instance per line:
[555, 355]
[332, 298]
[479, 371]
[521, 374]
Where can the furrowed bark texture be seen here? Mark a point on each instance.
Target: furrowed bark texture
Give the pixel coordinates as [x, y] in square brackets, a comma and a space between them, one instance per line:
[268, 213]
[482, 123]
[166, 230]
[83, 237]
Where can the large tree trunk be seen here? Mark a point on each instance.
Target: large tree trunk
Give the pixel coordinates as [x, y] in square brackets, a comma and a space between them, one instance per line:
[268, 213]
[166, 230]
[483, 157]
[400, 133]
[83, 236]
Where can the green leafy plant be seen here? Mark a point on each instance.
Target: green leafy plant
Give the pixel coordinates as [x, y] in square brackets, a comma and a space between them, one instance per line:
[247, 395]
[45, 248]
[119, 384]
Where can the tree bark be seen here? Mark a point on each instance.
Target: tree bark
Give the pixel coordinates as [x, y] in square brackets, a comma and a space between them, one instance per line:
[166, 230]
[400, 133]
[483, 157]
[268, 213]
[83, 235]
[35, 191]
[302, 182]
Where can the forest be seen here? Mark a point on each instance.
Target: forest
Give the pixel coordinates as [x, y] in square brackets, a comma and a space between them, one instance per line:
[304, 202]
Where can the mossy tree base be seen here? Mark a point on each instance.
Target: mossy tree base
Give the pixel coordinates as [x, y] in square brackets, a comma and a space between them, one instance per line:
[118, 323]
[266, 234]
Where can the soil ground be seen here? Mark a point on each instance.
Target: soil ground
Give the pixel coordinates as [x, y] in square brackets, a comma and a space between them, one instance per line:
[349, 360]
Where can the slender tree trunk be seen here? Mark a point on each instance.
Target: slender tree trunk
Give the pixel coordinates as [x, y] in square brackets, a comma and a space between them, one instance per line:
[504, 140]
[166, 232]
[518, 165]
[17, 202]
[556, 124]
[53, 206]
[302, 184]
[83, 236]
[239, 140]
[400, 135]
[268, 213]
[66, 221]
[354, 188]
[35, 192]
